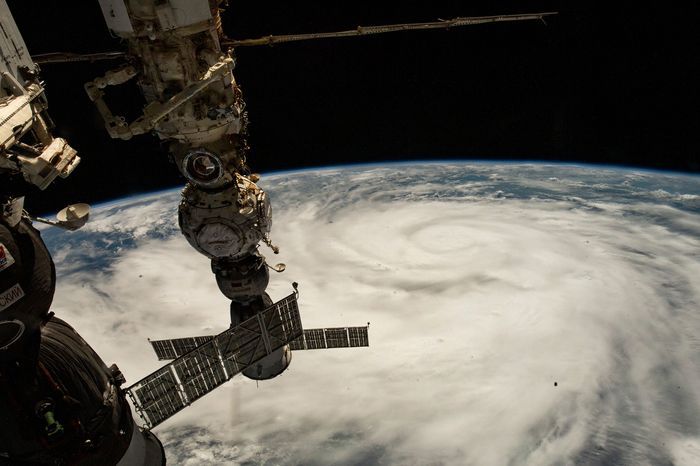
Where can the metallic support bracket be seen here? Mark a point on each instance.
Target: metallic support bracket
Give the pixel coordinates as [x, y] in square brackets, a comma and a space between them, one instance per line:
[117, 126]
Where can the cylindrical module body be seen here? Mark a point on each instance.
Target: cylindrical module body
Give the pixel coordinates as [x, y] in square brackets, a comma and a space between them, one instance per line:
[194, 103]
[274, 363]
[227, 223]
[271, 365]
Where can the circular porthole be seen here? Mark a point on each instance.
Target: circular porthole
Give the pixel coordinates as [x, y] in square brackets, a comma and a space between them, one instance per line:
[202, 167]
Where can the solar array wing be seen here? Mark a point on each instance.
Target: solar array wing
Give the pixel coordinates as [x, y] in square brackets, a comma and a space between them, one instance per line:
[176, 347]
[158, 395]
[313, 338]
[323, 338]
[337, 338]
[358, 336]
[192, 375]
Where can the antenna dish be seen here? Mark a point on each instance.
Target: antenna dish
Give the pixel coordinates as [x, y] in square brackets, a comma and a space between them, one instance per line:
[73, 217]
[70, 218]
[279, 268]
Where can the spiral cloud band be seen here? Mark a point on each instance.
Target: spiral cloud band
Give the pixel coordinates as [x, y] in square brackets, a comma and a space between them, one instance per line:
[520, 314]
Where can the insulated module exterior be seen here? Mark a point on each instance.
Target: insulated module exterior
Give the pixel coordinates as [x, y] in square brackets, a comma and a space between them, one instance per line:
[59, 402]
[194, 104]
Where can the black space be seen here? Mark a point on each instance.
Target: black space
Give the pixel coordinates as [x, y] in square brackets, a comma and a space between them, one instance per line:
[603, 82]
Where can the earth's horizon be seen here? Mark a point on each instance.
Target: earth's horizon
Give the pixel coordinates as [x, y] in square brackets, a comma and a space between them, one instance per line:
[521, 313]
[399, 163]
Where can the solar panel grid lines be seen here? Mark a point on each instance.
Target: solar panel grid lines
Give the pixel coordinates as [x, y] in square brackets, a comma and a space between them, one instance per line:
[283, 320]
[158, 397]
[205, 362]
[278, 325]
[337, 338]
[164, 349]
[228, 356]
[200, 371]
[246, 340]
[213, 361]
[358, 336]
[176, 347]
[264, 334]
[298, 344]
[327, 338]
[323, 338]
[315, 338]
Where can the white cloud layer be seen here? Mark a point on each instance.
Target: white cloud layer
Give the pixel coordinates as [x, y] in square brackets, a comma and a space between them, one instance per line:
[505, 329]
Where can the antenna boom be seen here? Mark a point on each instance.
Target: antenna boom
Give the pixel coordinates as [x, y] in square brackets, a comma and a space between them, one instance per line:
[382, 29]
[65, 57]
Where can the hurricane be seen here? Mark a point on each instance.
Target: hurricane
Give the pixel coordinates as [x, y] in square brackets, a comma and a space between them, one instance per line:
[519, 314]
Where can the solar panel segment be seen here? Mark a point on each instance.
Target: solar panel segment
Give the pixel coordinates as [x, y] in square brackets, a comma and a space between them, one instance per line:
[176, 347]
[192, 375]
[326, 338]
[205, 362]
[313, 338]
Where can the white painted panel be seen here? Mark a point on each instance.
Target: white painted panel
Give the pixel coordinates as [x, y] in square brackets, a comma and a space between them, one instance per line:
[13, 50]
[188, 12]
[17, 117]
[116, 16]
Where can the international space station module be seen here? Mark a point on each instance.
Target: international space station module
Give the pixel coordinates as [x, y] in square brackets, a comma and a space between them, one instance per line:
[193, 103]
[174, 53]
[59, 402]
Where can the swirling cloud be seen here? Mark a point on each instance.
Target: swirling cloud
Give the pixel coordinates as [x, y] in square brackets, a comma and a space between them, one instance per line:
[519, 315]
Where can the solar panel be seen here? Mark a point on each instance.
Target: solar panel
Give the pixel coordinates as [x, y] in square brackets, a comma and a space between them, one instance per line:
[298, 344]
[323, 338]
[164, 349]
[166, 391]
[358, 336]
[337, 338]
[241, 346]
[284, 323]
[176, 347]
[313, 338]
[200, 371]
[159, 396]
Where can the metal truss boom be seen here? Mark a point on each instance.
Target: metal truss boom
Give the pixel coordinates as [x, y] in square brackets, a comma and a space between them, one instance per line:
[64, 57]
[383, 29]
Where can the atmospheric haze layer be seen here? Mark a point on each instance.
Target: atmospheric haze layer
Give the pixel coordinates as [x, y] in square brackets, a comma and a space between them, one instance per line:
[520, 314]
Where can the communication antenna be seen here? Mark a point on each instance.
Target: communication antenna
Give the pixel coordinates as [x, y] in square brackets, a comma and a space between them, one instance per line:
[71, 218]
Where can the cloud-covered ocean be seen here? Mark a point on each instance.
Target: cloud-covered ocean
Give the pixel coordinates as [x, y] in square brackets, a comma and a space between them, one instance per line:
[520, 314]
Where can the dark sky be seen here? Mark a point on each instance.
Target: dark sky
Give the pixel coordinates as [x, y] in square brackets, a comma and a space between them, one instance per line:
[602, 82]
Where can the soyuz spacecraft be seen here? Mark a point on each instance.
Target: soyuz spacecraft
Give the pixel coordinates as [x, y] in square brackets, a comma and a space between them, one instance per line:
[59, 402]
